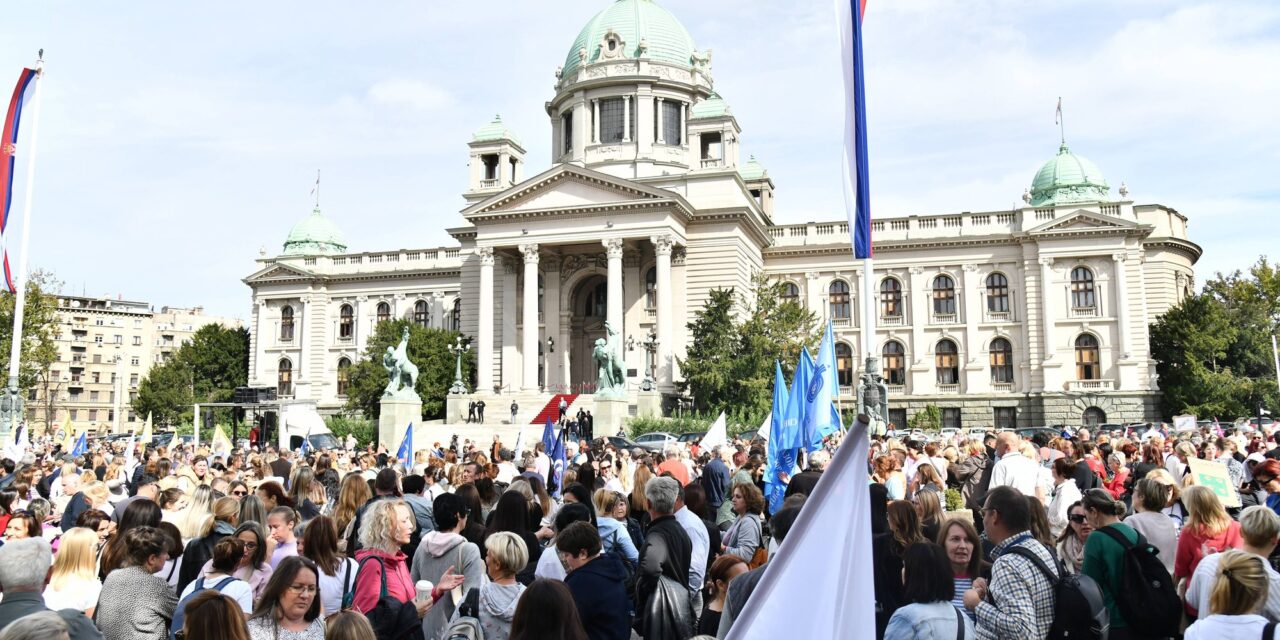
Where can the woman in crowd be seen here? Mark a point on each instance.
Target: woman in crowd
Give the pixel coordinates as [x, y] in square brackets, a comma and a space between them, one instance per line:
[337, 572]
[746, 535]
[499, 596]
[272, 496]
[927, 588]
[511, 515]
[716, 585]
[1267, 475]
[352, 495]
[328, 477]
[173, 502]
[213, 616]
[289, 608]
[384, 527]
[886, 556]
[348, 625]
[252, 510]
[888, 472]
[1239, 593]
[639, 504]
[1039, 521]
[579, 493]
[1119, 475]
[238, 490]
[1175, 508]
[280, 524]
[929, 508]
[927, 479]
[8, 504]
[222, 567]
[1105, 557]
[695, 499]
[135, 604]
[95, 520]
[532, 510]
[474, 531]
[22, 524]
[960, 540]
[1215, 449]
[549, 565]
[199, 551]
[1071, 541]
[488, 497]
[197, 519]
[1065, 493]
[139, 513]
[253, 567]
[74, 583]
[306, 493]
[1149, 497]
[546, 611]
[1208, 530]
[174, 564]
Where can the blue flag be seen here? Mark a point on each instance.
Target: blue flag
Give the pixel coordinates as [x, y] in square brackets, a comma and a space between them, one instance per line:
[548, 437]
[793, 420]
[821, 417]
[773, 486]
[558, 464]
[81, 448]
[405, 454]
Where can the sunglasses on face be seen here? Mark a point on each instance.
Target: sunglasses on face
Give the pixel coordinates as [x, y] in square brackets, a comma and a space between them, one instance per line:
[239, 493]
[1077, 518]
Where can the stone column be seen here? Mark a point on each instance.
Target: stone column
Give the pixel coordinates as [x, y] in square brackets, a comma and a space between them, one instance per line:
[1046, 306]
[659, 138]
[684, 133]
[666, 315]
[437, 309]
[1122, 304]
[970, 300]
[484, 333]
[551, 319]
[300, 320]
[595, 121]
[626, 118]
[614, 312]
[529, 322]
[511, 367]
[358, 324]
[504, 167]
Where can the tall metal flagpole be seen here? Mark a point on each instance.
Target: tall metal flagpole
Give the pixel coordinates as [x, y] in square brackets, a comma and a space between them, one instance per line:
[1275, 353]
[13, 395]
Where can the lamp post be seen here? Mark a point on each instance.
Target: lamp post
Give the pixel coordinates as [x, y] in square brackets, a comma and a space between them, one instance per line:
[457, 349]
[650, 344]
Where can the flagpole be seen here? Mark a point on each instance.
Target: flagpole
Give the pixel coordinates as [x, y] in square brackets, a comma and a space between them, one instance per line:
[15, 349]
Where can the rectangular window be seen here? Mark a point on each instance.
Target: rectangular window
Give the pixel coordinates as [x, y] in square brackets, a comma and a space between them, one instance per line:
[671, 133]
[93, 396]
[96, 377]
[119, 339]
[711, 149]
[951, 418]
[133, 380]
[137, 341]
[97, 358]
[137, 323]
[897, 419]
[1006, 417]
[93, 414]
[490, 166]
[613, 120]
[97, 339]
[566, 131]
[75, 414]
[133, 361]
[133, 417]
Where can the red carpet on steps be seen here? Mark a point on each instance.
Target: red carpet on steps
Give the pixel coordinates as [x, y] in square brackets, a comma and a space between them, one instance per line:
[552, 408]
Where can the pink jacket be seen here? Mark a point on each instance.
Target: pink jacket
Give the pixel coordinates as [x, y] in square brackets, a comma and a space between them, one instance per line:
[368, 580]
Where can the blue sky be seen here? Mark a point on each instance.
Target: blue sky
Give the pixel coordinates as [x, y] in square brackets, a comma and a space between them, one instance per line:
[177, 139]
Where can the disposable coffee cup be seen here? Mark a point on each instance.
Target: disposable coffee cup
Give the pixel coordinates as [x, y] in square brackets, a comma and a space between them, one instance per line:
[423, 587]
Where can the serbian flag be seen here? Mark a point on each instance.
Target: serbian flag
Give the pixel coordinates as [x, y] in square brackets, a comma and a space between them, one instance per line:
[8, 149]
[857, 193]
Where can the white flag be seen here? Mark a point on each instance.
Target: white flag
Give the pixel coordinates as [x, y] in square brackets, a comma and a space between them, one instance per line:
[519, 443]
[818, 584]
[716, 436]
[765, 426]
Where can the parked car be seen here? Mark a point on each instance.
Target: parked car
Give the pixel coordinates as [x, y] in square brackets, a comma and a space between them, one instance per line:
[692, 436]
[619, 442]
[947, 433]
[655, 441]
[1028, 432]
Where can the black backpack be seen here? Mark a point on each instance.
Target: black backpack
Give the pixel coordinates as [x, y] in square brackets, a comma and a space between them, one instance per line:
[1078, 608]
[390, 618]
[179, 613]
[1147, 597]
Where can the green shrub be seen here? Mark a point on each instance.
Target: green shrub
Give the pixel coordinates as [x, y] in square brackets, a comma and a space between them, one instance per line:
[736, 423]
[955, 501]
[363, 429]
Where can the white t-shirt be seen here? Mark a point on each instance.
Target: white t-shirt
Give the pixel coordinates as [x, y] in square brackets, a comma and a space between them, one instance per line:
[170, 571]
[549, 566]
[331, 588]
[237, 590]
[1216, 627]
[1201, 586]
[78, 594]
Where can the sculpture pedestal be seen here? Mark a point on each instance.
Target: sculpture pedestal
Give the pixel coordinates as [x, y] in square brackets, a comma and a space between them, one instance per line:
[648, 404]
[608, 414]
[455, 411]
[394, 416]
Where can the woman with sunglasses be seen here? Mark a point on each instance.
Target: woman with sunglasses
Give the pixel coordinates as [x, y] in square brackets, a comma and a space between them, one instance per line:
[1070, 545]
[238, 490]
[1267, 475]
[290, 605]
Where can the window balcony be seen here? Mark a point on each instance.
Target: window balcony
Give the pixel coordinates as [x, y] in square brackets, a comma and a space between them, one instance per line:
[948, 388]
[712, 163]
[489, 184]
[891, 321]
[844, 322]
[1091, 385]
[1002, 387]
[1085, 312]
[999, 316]
[944, 318]
[897, 389]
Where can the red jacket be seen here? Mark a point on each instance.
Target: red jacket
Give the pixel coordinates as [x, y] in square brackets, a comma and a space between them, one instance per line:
[368, 580]
[1190, 551]
[1116, 485]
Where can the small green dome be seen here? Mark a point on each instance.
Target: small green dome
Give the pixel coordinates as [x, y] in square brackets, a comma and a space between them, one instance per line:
[634, 21]
[1068, 178]
[713, 107]
[494, 131]
[314, 235]
[753, 170]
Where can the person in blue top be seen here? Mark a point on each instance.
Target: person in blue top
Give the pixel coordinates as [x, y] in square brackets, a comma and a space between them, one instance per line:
[596, 580]
[1267, 475]
[613, 531]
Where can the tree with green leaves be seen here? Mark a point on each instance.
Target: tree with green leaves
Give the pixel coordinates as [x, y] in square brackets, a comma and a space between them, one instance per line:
[40, 332]
[709, 367]
[208, 368]
[428, 348]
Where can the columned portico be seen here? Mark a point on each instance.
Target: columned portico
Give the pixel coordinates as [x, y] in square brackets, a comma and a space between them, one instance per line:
[529, 323]
[613, 247]
[662, 246]
[484, 335]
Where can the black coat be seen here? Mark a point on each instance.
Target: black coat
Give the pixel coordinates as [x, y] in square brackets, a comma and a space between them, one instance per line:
[198, 552]
[803, 482]
[886, 562]
[602, 600]
[667, 551]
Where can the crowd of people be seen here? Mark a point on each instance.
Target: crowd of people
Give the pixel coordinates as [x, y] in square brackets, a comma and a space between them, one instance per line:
[183, 542]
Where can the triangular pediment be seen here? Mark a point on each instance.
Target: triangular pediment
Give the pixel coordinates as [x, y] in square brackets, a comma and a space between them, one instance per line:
[1083, 221]
[279, 271]
[567, 187]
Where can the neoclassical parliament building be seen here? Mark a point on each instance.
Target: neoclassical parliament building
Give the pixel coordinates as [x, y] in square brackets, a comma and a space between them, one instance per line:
[1013, 317]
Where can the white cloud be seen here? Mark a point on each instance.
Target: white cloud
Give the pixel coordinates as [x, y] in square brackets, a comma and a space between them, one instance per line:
[414, 94]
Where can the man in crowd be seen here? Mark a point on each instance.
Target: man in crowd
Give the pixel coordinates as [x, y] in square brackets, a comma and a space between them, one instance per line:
[805, 481]
[715, 477]
[25, 567]
[596, 581]
[672, 464]
[480, 410]
[515, 408]
[507, 470]
[1012, 469]
[701, 542]
[1019, 602]
[415, 487]
[667, 550]
[471, 472]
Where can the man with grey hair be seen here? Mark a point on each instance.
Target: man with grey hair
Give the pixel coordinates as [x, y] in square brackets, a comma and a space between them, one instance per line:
[44, 625]
[805, 481]
[25, 567]
[667, 550]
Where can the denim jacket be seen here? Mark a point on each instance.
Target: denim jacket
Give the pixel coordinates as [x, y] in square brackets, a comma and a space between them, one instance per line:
[931, 621]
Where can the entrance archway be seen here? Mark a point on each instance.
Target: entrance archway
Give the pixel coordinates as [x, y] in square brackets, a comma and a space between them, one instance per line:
[589, 309]
[1093, 417]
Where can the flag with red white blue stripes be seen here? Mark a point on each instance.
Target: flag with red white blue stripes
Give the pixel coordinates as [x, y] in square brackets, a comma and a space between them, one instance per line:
[8, 149]
[857, 183]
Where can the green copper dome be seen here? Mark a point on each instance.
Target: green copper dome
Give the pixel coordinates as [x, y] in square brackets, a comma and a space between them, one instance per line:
[634, 21]
[494, 131]
[315, 235]
[1068, 178]
[713, 107]
[753, 170]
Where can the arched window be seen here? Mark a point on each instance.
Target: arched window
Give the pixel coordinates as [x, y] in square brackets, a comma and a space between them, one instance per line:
[284, 378]
[384, 312]
[344, 376]
[651, 288]
[421, 315]
[1082, 294]
[947, 359]
[997, 293]
[790, 292]
[944, 296]
[1092, 417]
[895, 365]
[1001, 361]
[890, 298]
[838, 299]
[1088, 366]
[844, 364]
[346, 322]
[286, 324]
[597, 302]
[455, 316]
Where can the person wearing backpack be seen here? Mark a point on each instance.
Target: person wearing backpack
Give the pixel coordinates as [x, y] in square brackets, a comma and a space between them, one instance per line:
[1019, 600]
[1137, 589]
[1260, 528]
[495, 600]
[220, 577]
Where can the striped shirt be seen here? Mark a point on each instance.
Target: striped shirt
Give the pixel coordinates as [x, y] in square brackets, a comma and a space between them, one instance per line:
[963, 584]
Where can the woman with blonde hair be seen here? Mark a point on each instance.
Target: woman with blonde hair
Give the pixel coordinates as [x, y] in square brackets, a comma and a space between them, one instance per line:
[1240, 590]
[383, 571]
[507, 554]
[639, 503]
[1174, 507]
[348, 625]
[196, 521]
[306, 493]
[352, 495]
[74, 582]
[929, 507]
[1208, 530]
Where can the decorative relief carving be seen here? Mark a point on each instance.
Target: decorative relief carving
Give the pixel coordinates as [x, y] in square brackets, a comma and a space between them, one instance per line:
[678, 256]
[530, 252]
[662, 245]
[630, 258]
[613, 247]
[486, 255]
[915, 271]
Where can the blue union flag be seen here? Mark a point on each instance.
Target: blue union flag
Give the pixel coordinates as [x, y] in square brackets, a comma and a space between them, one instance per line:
[857, 191]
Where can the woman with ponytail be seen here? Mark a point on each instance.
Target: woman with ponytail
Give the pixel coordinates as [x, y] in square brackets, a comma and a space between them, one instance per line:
[1239, 591]
[1104, 556]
